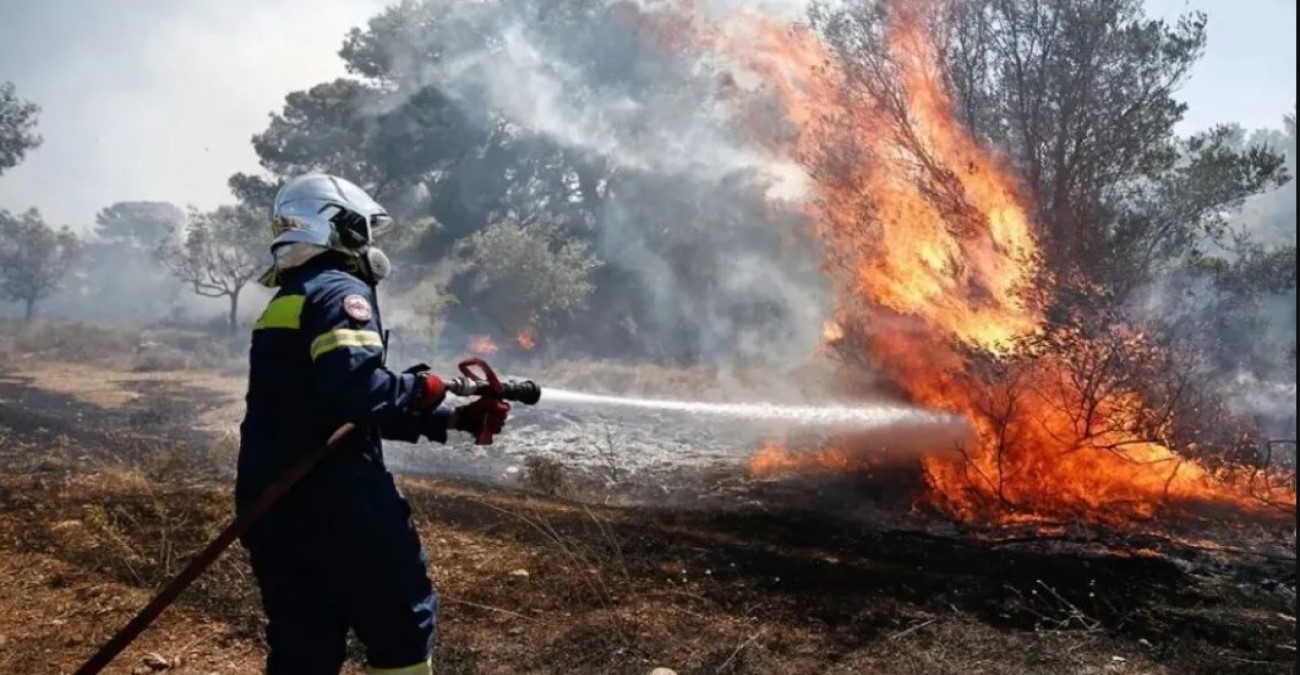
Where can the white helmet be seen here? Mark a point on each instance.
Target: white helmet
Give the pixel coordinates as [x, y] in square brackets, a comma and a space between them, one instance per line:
[327, 211]
[317, 212]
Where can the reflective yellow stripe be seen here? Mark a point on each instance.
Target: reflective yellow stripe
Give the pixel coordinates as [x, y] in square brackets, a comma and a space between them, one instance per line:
[283, 312]
[425, 668]
[342, 337]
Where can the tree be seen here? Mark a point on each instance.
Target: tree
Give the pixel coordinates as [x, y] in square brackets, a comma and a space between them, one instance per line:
[141, 225]
[1234, 298]
[254, 192]
[17, 127]
[318, 130]
[1081, 96]
[566, 111]
[34, 258]
[1148, 227]
[397, 149]
[218, 254]
[1081, 93]
[525, 278]
[1271, 217]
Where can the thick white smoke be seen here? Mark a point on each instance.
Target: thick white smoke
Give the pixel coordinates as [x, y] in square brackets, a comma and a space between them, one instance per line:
[606, 90]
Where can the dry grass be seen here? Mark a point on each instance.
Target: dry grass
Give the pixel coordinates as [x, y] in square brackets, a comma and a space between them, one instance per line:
[161, 359]
[534, 585]
[72, 342]
[120, 347]
[100, 503]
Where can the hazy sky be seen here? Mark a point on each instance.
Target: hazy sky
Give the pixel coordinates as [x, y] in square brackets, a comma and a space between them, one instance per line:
[157, 99]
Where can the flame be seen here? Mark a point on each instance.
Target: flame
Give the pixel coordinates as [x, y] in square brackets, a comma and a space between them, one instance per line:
[482, 345]
[775, 459]
[832, 332]
[526, 339]
[960, 269]
[935, 254]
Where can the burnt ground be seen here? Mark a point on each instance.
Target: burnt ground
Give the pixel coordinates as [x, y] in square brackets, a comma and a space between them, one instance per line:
[100, 501]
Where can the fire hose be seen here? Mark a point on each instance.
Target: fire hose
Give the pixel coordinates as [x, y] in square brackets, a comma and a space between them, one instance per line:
[483, 384]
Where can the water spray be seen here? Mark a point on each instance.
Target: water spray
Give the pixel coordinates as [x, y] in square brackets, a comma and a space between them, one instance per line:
[860, 416]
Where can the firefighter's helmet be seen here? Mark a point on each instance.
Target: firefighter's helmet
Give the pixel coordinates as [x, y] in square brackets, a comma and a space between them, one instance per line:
[317, 212]
[326, 211]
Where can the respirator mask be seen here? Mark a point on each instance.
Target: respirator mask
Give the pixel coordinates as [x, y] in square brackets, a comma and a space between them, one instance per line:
[373, 265]
[355, 233]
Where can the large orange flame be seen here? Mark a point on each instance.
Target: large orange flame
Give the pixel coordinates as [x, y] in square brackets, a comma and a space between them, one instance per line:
[934, 251]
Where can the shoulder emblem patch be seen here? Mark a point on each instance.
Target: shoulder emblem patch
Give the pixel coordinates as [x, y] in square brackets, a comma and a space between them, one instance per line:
[357, 307]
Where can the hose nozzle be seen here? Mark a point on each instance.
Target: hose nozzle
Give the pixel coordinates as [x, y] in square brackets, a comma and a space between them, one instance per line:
[521, 391]
[524, 391]
[486, 385]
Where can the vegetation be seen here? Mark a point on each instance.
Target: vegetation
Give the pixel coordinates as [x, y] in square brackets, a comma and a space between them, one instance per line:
[570, 175]
[34, 258]
[525, 277]
[17, 127]
[218, 253]
[634, 255]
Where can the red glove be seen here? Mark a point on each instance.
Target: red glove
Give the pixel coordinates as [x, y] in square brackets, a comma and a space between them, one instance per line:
[484, 418]
[432, 391]
[430, 387]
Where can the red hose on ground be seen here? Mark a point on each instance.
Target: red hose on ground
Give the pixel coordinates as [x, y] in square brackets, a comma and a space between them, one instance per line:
[208, 555]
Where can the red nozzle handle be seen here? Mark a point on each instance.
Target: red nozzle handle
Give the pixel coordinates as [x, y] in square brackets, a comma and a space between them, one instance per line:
[488, 376]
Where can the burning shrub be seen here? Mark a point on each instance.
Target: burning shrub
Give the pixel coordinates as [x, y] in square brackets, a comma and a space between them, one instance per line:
[1101, 423]
[943, 288]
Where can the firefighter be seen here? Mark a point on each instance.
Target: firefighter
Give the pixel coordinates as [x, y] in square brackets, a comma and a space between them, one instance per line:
[339, 551]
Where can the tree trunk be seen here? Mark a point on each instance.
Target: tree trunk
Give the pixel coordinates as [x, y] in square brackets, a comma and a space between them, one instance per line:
[31, 309]
[234, 312]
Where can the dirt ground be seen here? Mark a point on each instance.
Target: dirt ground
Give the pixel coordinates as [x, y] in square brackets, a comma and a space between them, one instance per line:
[111, 478]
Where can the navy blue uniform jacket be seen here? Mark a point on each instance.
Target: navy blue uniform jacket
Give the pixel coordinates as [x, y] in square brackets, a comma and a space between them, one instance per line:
[339, 549]
[316, 363]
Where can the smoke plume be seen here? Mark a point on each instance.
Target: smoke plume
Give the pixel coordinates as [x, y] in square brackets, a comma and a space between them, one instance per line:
[1243, 318]
[693, 208]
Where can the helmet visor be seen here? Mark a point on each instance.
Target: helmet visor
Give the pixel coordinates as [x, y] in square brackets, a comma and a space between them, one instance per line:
[380, 224]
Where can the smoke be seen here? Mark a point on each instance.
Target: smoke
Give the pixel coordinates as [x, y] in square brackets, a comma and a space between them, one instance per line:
[143, 100]
[657, 129]
[1265, 387]
[1273, 403]
[693, 206]
[1244, 321]
[1248, 343]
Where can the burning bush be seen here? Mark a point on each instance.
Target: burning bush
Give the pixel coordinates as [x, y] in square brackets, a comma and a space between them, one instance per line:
[945, 287]
[1097, 422]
